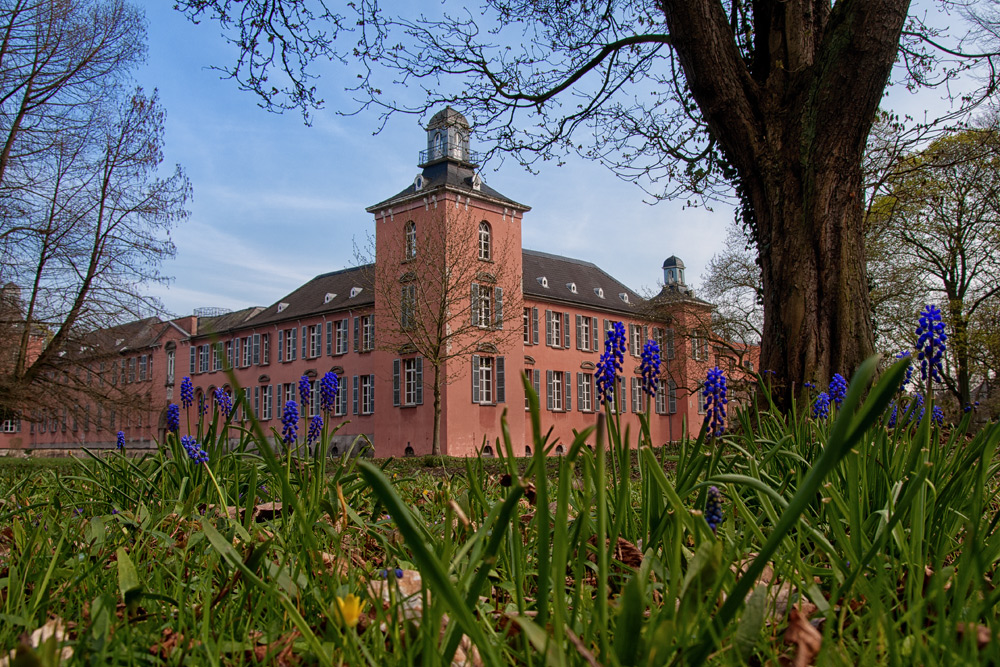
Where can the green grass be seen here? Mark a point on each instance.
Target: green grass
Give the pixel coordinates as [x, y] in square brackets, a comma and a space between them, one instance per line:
[883, 538]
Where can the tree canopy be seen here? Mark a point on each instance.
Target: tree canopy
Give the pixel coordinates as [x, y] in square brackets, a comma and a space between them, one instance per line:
[770, 100]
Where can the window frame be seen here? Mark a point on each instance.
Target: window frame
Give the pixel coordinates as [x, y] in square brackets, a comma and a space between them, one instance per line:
[409, 241]
[485, 245]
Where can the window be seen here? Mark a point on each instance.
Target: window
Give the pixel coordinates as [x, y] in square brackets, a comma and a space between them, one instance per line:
[487, 380]
[341, 337]
[410, 251]
[266, 401]
[748, 365]
[586, 333]
[194, 360]
[485, 245]
[487, 306]
[535, 376]
[11, 426]
[585, 392]
[701, 399]
[668, 342]
[364, 333]
[286, 344]
[699, 346]
[315, 340]
[636, 338]
[314, 398]
[247, 349]
[143, 365]
[408, 382]
[170, 367]
[256, 350]
[340, 406]
[203, 358]
[216, 358]
[131, 370]
[527, 326]
[364, 394]
[660, 400]
[556, 329]
[558, 397]
[408, 307]
[638, 395]
[368, 333]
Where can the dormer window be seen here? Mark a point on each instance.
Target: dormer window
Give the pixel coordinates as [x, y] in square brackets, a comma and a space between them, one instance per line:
[356, 291]
[330, 296]
[477, 182]
[543, 281]
[418, 182]
[623, 296]
[282, 306]
[571, 287]
[599, 291]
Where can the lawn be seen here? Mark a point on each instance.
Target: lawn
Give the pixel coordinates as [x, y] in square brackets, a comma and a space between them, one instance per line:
[839, 539]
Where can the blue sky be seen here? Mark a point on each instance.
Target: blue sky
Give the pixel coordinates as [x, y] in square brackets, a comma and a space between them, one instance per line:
[277, 202]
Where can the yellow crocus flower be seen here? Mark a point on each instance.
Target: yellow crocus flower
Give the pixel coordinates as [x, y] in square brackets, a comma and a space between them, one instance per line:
[350, 609]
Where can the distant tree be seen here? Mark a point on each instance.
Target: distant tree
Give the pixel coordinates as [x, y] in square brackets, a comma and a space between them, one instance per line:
[84, 209]
[732, 283]
[940, 228]
[774, 98]
[440, 301]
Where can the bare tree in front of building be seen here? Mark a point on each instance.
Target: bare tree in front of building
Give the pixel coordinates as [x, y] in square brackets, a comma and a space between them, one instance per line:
[85, 208]
[446, 297]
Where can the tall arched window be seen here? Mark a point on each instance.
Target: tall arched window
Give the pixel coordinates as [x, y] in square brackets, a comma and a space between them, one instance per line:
[485, 245]
[411, 240]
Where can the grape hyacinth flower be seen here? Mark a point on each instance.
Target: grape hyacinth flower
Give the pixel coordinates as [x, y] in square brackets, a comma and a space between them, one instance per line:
[715, 401]
[120, 443]
[290, 423]
[315, 429]
[305, 389]
[187, 393]
[838, 389]
[202, 405]
[610, 364]
[917, 408]
[970, 407]
[194, 450]
[649, 367]
[329, 387]
[905, 354]
[821, 408]
[930, 343]
[224, 401]
[937, 416]
[173, 418]
[713, 508]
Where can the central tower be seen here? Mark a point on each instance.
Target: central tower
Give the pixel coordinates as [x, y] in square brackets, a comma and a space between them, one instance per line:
[447, 281]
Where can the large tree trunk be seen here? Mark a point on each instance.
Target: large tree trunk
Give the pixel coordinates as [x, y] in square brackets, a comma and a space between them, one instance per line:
[794, 125]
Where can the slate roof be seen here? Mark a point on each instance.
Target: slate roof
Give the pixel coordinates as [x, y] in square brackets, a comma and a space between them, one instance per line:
[310, 299]
[131, 335]
[227, 321]
[452, 176]
[587, 276]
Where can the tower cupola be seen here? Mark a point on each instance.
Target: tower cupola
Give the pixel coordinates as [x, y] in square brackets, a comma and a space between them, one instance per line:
[673, 272]
[448, 139]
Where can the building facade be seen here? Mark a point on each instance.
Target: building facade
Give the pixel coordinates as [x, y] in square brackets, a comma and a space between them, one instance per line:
[430, 340]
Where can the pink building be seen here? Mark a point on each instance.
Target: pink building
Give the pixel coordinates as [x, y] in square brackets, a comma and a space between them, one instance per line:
[438, 330]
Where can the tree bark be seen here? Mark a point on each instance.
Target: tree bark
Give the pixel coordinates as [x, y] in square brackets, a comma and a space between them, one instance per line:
[436, 436]
[795, 127]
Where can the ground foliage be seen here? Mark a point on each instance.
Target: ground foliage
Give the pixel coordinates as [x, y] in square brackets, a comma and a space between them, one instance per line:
[843, 541]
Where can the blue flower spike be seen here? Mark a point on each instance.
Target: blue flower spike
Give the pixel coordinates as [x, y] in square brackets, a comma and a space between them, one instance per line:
[931, 343]
[609, 367]
[715, 401]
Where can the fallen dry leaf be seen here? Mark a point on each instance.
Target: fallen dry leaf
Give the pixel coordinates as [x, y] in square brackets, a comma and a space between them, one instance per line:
[806, 638]
[980, 632]
[53, 628]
